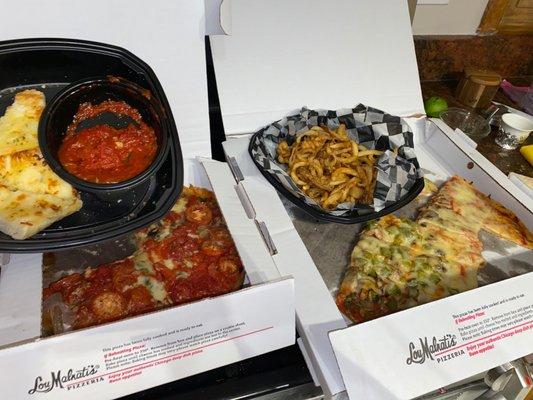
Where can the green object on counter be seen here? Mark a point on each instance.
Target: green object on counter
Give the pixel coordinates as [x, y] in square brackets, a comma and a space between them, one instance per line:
[434, 106]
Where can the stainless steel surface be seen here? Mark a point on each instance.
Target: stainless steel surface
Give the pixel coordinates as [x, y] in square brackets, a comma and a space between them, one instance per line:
[265, 234]
[4, 258]
[234, 167]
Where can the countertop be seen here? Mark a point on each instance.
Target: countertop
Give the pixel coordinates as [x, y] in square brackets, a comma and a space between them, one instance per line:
[506, 160]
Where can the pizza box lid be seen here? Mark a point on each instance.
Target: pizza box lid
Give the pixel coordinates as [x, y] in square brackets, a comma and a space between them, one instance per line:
[362, 52]
[283, 55]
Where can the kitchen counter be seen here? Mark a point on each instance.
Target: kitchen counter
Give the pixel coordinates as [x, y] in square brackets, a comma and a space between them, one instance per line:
[506, 160]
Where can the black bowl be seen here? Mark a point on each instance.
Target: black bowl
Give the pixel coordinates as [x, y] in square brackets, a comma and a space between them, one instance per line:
[59, 113]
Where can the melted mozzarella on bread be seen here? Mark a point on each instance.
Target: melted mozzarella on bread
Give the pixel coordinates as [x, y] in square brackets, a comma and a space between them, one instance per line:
[28, 171]
[18, 126]
[23, 214]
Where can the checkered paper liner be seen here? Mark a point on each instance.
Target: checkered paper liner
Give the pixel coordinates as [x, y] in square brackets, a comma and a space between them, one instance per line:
[370, 127]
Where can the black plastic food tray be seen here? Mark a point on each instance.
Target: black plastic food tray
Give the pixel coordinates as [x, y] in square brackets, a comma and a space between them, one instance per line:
[323, 215]
[49, 65]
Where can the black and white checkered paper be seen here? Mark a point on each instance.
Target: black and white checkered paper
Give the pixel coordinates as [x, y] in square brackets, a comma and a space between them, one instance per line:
[368, 126]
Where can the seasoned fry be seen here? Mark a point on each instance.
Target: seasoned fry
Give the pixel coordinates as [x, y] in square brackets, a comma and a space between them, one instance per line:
[329, 167]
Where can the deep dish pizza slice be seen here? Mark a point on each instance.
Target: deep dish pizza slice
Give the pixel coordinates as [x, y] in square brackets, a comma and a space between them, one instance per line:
[109, 292]
[186, 256]
[192, 249]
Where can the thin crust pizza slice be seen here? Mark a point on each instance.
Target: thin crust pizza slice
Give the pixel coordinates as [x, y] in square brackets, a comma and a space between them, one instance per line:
[399, 263]
[459, 206]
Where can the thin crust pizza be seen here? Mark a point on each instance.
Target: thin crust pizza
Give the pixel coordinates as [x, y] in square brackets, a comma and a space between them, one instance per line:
[460, 207]
[399, 263]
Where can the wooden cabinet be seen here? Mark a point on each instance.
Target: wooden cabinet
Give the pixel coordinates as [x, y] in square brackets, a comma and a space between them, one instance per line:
[507, 16]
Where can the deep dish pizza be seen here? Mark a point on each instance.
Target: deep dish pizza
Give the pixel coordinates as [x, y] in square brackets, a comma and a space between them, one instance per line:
[399, 263]
[186, 256]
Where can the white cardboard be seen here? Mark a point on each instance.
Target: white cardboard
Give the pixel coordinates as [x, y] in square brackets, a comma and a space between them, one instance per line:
[262, 318]
[260, 267]
[367, 353]
[156, 348]
[21, 278]
[444, 145]
[510, 185]
[517, 180]
[218, 17]
[168, 35]
[285, 54]
[316, 311]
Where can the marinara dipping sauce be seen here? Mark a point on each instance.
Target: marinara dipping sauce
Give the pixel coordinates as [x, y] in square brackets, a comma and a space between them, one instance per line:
[104, 154]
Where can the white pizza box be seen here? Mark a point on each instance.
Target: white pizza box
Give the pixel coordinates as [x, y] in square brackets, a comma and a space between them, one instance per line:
[514, 187]
[169, 344]
[282, 55]
[137, 353]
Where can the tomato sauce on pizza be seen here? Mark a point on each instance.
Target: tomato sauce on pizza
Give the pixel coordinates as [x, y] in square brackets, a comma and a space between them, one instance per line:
[188, 255]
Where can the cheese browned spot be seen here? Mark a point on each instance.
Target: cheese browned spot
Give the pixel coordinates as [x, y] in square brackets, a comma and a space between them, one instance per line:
[27, 171]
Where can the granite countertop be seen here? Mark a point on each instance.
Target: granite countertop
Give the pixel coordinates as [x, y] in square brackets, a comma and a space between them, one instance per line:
[506, 160]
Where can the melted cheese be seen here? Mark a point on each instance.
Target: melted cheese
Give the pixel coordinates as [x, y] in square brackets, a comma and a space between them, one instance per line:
[180, 205]
[460, 207]
[27, 170]
[156, 288]
[22, 214]
[142, 264]
[32, 196]
[399, 263]
[18, 126]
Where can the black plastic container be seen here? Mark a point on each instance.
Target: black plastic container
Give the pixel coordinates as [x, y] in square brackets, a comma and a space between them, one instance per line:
[50, 65]
[60, 111]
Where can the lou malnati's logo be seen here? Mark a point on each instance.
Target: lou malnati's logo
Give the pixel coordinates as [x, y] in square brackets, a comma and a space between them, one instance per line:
[433, 350]
[71, 379]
